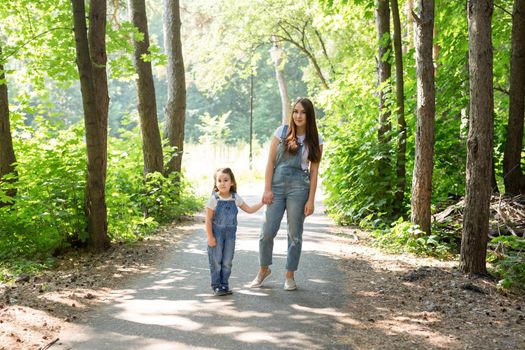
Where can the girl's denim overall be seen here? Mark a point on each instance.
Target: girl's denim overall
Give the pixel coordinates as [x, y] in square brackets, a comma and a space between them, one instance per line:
[290, 187]
[224, 226]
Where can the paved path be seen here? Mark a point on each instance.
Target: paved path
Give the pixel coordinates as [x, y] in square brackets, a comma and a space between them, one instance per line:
[173, 308]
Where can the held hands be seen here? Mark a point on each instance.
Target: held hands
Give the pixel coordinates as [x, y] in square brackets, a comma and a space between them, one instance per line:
[267, 197]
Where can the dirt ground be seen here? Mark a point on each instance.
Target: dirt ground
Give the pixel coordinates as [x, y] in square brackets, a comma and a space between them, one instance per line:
[397, 301]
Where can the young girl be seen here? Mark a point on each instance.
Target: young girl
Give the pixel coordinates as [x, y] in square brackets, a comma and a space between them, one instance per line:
[221, 227]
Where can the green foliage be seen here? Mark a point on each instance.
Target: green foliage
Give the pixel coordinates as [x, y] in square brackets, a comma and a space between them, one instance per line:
[214, 129]
[508, 258]
[403, 236]
[48, 211]
[354, 186]
[136, 205]
[168, 197]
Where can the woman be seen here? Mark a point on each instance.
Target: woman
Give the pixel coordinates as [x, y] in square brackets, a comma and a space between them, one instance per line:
[290, 184]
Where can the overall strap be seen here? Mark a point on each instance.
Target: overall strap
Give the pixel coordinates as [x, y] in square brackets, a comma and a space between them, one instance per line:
[284, 132]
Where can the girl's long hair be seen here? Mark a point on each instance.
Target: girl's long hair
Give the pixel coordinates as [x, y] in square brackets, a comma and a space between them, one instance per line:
[226, 171]
[311, 139]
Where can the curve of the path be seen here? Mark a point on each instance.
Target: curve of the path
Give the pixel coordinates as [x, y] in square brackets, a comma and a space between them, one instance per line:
[173, 307]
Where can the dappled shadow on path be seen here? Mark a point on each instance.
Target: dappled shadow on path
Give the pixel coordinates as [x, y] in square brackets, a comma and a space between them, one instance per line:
[346, 300]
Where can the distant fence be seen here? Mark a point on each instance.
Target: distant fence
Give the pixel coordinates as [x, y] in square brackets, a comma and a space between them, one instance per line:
[200, 161]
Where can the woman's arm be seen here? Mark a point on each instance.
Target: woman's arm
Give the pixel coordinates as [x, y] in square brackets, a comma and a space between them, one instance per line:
[268, 174]
[251, 208]
[314, 172]
[212, 242]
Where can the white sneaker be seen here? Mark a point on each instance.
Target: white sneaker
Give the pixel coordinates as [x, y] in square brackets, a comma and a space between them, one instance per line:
[259, 279]
[289, 284]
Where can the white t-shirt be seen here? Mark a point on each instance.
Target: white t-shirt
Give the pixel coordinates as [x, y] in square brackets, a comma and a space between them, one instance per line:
[305, 163]
[212, 202]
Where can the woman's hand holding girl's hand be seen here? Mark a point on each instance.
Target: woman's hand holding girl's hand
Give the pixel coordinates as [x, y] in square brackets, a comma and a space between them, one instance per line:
[267, 197]
[212, 242]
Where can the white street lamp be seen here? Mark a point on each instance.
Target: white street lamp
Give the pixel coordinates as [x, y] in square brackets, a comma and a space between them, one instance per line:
[276, 53]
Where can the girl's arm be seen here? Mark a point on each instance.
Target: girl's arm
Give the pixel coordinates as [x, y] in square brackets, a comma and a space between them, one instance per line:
[251, 208]
[314, 172]
[268, 174]
[209, 231]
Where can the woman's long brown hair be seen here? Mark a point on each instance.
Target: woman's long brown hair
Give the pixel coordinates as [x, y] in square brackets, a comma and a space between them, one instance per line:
[311, 139]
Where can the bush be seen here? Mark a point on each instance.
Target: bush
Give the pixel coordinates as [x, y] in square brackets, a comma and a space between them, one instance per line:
[404, 236]
[47, 215]
[507, 256]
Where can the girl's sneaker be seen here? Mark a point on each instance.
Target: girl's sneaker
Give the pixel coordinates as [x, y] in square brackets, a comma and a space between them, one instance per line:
[218, 291]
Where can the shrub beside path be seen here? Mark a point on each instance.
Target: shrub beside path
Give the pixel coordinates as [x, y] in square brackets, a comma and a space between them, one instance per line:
[350, 296]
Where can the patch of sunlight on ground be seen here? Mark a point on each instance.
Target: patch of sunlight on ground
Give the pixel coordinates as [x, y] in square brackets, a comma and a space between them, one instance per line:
[200, 161]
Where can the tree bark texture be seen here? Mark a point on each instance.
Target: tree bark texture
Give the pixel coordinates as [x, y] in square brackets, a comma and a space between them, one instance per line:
[147, 105]
[479, 141]
[514, 178]
[401, 122]
[7, 152]
[91, 62]
[426, 110]
[176, 104]
[384, 68]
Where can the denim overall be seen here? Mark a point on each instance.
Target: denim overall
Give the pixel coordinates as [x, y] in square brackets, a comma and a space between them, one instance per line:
[224, 227]
[290, 187]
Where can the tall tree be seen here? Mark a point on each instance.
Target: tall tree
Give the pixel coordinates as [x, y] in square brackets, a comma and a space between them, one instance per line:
[176, 104]
[91, 62]
[401, 122]
[479, 141]
[410, 26]
[384, 73]
[298, 35]
[7, 153]
[276, 53]
[426, 110]
[384, 67]
[147, 105]
[514, 178]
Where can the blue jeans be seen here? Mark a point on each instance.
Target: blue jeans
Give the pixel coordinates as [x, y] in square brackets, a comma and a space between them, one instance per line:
[221, 256]
[290, 187]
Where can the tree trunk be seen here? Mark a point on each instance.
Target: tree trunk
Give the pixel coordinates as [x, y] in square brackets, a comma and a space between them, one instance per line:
[493, 181]
[176, 104]
[283, 91]
[513, 173]
[426, 110]
[147, 105]
[401, 122]
[479, 142]
[91, 61]
[7, 153]
[410, 26]
[384, 68]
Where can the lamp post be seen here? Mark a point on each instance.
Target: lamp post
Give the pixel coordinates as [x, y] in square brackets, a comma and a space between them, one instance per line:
[276, 53]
